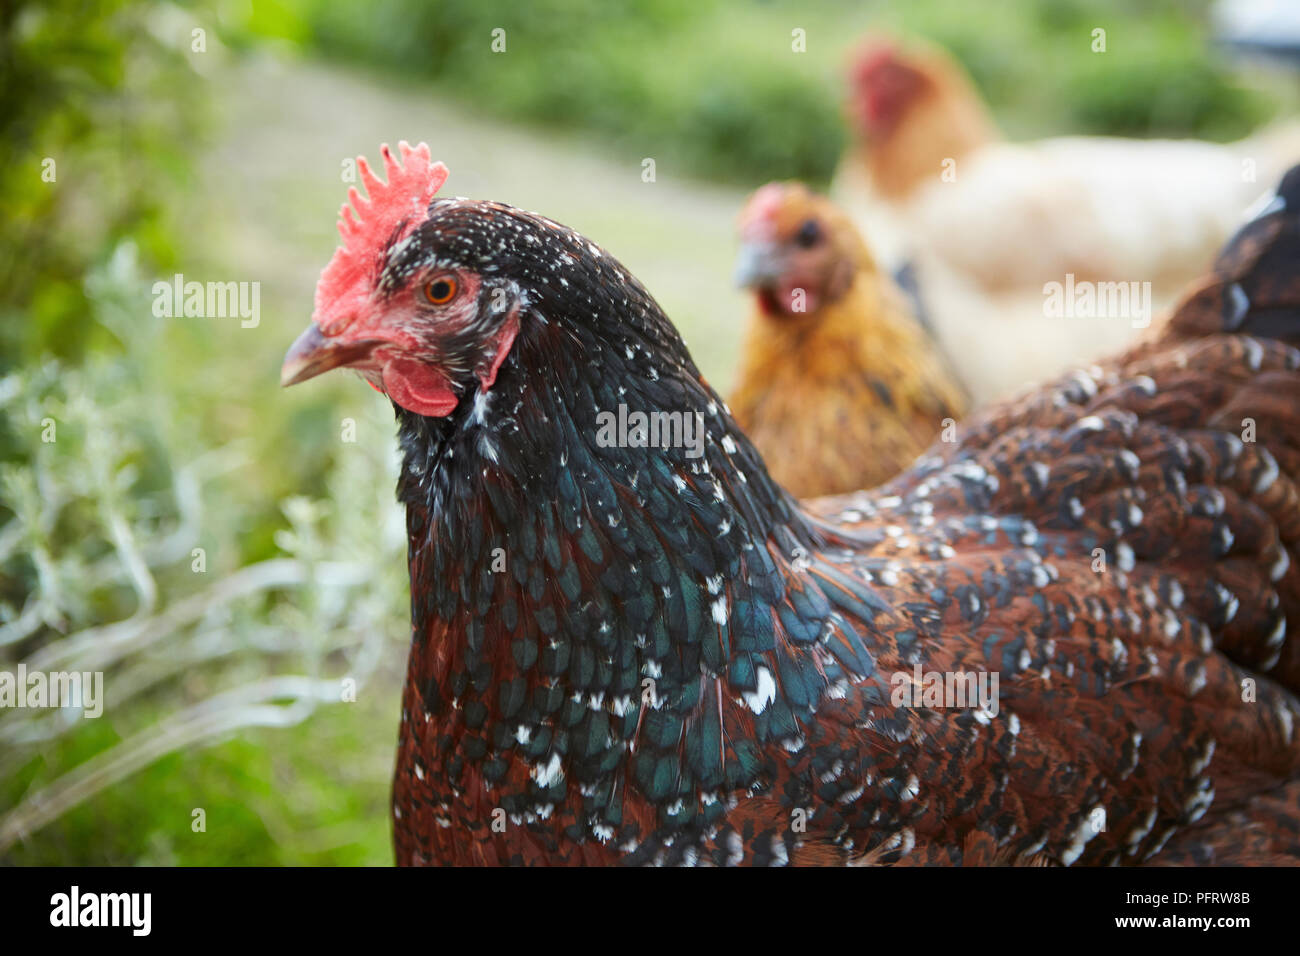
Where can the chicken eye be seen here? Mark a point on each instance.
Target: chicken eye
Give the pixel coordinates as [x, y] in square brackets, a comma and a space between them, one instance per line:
[809, 234]
[441, 290]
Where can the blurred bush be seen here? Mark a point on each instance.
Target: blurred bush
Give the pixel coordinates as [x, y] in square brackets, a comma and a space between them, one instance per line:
[125, 544]
[714, 87]
[99, 109]
[670, 79]
[126, 443]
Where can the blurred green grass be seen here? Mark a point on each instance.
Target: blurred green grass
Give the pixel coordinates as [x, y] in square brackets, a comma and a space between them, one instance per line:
[114, 93]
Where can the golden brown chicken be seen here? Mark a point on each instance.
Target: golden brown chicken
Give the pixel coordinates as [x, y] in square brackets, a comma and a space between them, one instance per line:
[839, 388]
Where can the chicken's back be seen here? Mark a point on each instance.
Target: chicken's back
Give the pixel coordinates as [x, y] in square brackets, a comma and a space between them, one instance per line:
[1120, 548]
[1097, 208]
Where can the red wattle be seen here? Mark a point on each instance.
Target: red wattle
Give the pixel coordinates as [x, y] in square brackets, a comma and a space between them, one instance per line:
[419, 388]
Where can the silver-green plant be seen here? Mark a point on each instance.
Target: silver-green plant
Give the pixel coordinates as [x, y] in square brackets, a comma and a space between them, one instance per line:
[116, 537]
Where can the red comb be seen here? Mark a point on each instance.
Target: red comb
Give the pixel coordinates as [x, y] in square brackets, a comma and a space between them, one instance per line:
[759, 214]
[871, 56]
[387, 213]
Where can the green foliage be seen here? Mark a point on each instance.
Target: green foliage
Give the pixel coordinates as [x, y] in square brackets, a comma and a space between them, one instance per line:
[107, 495]
[101, 98]
[713, 87]
[673, 80]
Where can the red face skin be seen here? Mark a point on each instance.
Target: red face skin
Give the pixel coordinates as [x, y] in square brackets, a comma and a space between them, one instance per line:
[402, 327]
[778, 296]
[790, 254]
[394, 343]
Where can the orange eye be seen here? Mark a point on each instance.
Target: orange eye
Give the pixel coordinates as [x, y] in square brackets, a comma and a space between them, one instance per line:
[441, 290]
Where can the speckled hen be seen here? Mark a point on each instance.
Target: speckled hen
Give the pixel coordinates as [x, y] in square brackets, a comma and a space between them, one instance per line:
[632, 654]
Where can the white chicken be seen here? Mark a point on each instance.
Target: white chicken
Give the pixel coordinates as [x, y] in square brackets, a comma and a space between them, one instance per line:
[1034, 257]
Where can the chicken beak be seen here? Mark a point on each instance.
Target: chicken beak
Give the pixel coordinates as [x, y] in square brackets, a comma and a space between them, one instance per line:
[312, 353]
[758, 263]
